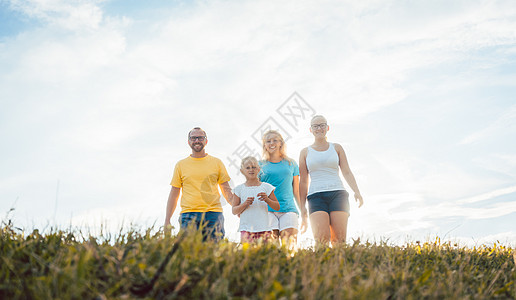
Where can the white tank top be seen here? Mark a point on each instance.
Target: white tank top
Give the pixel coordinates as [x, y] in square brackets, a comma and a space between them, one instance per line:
[323, 167]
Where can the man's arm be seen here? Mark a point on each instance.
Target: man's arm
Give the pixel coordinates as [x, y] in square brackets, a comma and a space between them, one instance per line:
[171, 204]
[226, 192]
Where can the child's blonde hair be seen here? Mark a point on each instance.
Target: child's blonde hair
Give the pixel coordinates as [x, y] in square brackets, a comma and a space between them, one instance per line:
[283, 146]
[249, 159]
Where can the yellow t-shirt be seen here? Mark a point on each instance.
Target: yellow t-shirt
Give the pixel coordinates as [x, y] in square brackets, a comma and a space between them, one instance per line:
[199, 179]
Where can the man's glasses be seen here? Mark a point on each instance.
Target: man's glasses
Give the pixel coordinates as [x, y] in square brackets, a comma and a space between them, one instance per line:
[317, 126]
[199, 138]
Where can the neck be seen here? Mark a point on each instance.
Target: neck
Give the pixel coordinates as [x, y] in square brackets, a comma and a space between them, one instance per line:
[321, 141]
[275, 157]
[198, 154]
[252, 181]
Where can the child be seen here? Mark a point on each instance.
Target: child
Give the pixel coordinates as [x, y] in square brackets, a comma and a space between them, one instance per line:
[250, 201]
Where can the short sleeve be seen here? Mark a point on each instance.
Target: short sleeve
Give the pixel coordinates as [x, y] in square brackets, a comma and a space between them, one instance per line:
[223, 173]
[238, 191]
[176, 178]
[269, 188]
[261, 173]
[295, 167]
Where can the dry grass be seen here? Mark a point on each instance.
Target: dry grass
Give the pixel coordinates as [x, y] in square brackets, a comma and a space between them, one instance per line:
[67, 265]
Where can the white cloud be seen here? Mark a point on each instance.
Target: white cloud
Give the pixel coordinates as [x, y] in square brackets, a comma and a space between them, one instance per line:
[493, 211]
[99, 101]
[504, 125]
[487, 196]
[436, 180]
[71, 15]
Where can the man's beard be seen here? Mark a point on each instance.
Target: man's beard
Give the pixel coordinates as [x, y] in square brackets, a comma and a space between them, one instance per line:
[195, 149]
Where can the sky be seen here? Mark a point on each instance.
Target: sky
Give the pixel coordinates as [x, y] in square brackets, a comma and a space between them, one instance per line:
[97, 98]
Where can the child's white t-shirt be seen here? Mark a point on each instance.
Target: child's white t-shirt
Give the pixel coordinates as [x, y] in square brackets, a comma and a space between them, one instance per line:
[256, 217]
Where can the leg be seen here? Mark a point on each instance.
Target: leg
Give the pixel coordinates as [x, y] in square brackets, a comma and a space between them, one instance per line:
[267, 237]
[288, 224]
[289, 237]
[320, 221]
[274, 224]
[214, 225]
[245, 237]
[189, 220]
[339, 215]
[339, 226]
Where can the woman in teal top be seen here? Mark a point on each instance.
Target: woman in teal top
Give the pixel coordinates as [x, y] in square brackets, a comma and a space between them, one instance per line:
[283, 173]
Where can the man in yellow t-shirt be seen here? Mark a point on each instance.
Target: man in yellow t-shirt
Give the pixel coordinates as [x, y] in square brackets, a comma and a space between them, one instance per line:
[199, 176]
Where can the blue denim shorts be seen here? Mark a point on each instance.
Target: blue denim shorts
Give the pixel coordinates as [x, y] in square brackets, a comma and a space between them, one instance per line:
[211, 222]
[329, 201]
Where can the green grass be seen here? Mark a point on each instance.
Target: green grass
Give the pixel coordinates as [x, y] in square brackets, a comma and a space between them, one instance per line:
[69, 265]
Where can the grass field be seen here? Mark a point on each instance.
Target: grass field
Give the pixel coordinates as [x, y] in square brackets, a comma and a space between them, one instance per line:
[70, 265]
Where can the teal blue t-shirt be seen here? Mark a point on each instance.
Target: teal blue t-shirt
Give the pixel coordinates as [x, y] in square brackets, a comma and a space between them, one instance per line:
[281, 175]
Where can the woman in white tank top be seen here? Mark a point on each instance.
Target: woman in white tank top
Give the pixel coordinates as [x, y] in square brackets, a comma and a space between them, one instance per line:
[327, 198]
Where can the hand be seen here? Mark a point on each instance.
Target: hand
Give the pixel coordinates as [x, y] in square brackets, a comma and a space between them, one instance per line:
[359, 199]
[167, 228]
[262, 196]
[304, 222]
[304, 212]
[249, 201]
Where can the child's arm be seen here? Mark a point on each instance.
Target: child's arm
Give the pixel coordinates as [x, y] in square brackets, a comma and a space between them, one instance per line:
[235, 201]
[271, 200]
[239, 207]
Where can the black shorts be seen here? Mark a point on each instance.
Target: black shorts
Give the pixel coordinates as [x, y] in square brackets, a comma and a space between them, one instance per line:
[329, 201]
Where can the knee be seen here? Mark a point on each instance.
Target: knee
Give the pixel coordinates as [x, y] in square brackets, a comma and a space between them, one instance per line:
[289, 232]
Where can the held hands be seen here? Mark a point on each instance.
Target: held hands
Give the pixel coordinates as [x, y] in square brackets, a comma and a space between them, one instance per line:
[304, 220]
[358, 198]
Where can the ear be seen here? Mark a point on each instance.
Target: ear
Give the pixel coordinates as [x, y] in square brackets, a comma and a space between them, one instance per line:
[328, 128]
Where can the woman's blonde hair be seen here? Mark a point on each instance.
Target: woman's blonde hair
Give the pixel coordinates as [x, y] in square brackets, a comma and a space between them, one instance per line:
[283, 146]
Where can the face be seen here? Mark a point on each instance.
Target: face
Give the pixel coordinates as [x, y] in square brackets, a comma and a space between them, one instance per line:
[272, 143]
[319, 126]
[197, 140]
[250, 170]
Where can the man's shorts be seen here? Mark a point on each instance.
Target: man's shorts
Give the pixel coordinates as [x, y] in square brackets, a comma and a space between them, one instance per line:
[283, 220]
[211, 222]
[329, 201]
